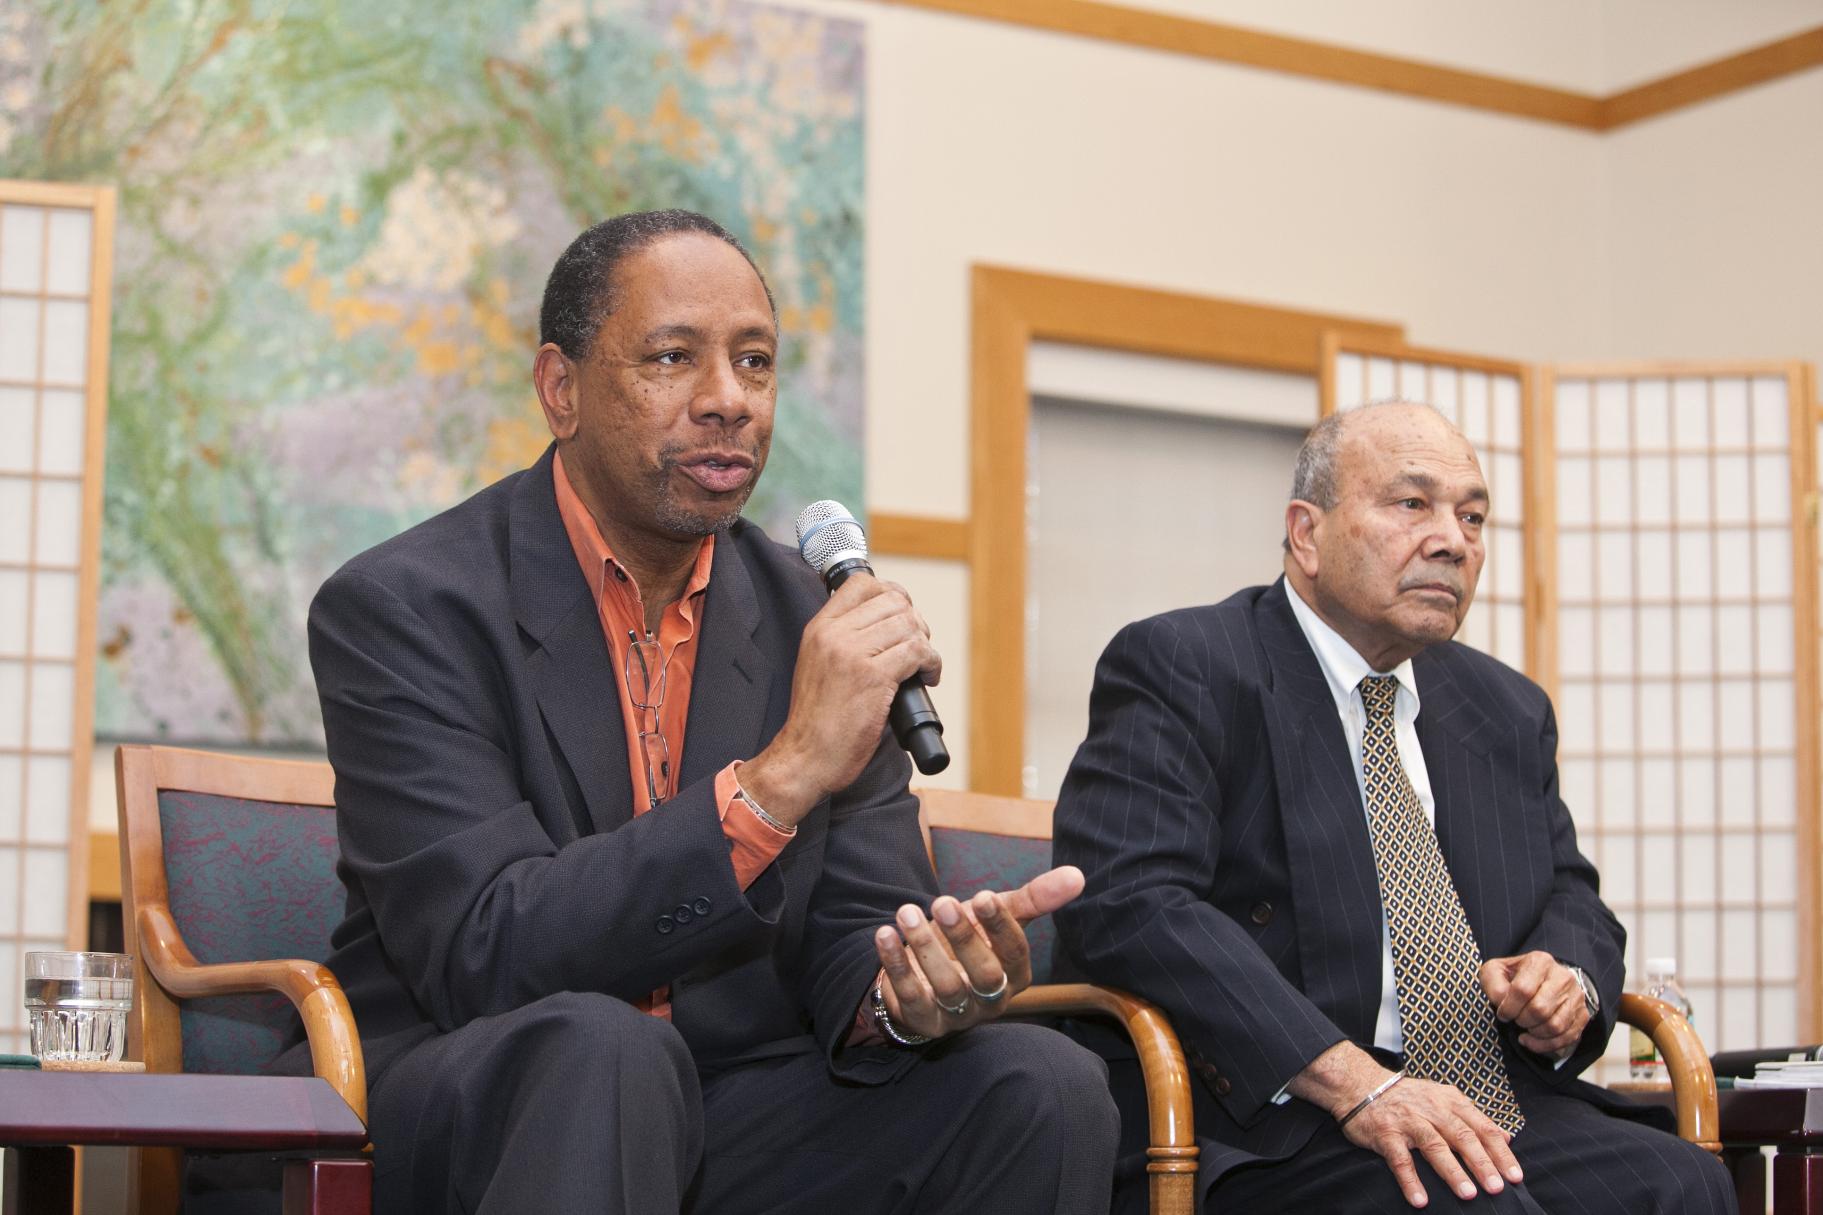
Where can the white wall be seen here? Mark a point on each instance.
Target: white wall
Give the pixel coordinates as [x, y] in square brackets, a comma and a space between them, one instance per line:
[1716, 245]
[991, 143]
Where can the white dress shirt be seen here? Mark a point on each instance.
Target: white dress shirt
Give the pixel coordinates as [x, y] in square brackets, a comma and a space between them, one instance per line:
[1344, 670]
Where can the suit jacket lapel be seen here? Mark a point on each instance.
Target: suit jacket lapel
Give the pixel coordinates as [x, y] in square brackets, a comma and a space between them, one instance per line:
[1336, 892]
[731, 687]
[571, 672]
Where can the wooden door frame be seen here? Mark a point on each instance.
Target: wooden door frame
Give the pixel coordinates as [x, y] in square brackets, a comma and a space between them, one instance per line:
[1011, 309]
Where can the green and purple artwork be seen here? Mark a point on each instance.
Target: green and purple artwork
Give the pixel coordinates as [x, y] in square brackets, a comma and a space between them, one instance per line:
[335, 221]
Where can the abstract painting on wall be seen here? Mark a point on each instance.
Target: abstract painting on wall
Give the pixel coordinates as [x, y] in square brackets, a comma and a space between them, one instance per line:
[335, 221]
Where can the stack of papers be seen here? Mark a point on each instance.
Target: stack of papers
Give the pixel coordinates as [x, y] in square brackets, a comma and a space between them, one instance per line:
[1798, 1073]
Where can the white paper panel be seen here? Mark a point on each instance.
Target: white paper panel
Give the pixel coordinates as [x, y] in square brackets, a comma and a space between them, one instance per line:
[46, 886]
[10, 860]
[54, 612]
[59, 522]
[1729, 419]
[1619, 794]
[1771, 412]
[1574, 428]
[1658, 786]
[72, 248]
[1351, 380]
[66, 335]
[51, 724]
[1575, 493]
[1778, 791]
[1696, 955]
[1739, 799]
[1772, 562]
[47, 799]
[19, 324]
[13, 600]
[15, 511]
[1613, 417]
[1382, 379]
[12, 809]
[62, 437]
[21, 248]
[12, 705]
[18, 435]
[1653, 549]
[1778, 874]
[1697, 885]
[1651, 415]
[1690, 413]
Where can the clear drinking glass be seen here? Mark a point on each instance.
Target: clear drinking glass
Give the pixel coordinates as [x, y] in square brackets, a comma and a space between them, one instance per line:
[78, 1004]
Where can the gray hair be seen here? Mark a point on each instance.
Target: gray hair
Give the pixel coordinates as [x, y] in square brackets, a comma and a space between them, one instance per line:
[1313, 477]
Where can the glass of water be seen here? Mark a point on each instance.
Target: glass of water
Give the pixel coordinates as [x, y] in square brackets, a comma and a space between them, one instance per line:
[78, 1004]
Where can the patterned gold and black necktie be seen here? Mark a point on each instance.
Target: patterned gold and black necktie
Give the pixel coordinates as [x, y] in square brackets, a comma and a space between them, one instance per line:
[1450, 1033]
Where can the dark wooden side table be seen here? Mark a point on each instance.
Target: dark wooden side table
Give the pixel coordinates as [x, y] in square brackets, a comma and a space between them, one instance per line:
[1787, 1119]
[43, 1114]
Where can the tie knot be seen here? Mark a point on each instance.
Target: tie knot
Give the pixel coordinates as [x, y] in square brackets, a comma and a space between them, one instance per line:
[1378, 693]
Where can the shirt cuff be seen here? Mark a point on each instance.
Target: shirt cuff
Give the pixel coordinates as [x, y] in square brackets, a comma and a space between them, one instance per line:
[752, 844]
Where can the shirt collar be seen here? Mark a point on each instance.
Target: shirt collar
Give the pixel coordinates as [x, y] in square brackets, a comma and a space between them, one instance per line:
[591, 548]
[1343, 667]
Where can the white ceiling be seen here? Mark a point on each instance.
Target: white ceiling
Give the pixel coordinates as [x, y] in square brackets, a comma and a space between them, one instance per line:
[1589, 46]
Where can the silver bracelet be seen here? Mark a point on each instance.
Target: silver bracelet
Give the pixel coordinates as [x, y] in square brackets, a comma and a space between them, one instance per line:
[1371, 1098]
[760, 813]
[904, 1037]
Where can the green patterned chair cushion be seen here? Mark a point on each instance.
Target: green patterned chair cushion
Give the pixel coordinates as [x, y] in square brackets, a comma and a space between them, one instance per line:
[249, 880]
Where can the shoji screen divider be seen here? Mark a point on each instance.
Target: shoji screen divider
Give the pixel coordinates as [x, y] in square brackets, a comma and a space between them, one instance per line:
[1684, 622]
[1491, 402]
[56, 267]
[1669, 585]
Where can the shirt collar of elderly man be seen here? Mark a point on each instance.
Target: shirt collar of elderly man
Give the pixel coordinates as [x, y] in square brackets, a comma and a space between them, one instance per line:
[1384, 534]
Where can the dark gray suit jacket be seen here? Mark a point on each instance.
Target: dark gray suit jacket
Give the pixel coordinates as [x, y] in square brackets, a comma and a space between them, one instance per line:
[1215, 809]
[485, 807]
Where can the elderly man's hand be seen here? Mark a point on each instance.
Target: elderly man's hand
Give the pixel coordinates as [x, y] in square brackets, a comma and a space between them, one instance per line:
[1541, 996]
[1412, 1118]
[959, 972]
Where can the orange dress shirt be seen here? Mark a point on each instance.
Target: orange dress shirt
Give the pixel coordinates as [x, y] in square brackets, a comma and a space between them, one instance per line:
[752, 844]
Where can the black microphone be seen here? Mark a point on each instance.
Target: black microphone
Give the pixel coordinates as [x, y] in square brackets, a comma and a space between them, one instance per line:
[836, 547]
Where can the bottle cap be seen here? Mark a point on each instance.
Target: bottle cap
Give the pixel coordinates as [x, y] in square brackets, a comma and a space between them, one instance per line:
[1666, 965]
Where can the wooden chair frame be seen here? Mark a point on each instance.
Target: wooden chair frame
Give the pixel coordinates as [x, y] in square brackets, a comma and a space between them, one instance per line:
[1171, 1152]
[167, 972]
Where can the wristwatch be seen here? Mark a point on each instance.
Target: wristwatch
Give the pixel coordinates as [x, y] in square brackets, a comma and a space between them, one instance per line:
[1590, 997]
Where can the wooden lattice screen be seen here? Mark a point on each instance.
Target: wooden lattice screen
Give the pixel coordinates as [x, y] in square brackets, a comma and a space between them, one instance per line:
[55, 270]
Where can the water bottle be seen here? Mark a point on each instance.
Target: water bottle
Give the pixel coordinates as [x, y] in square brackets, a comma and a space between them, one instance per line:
[1661, 984]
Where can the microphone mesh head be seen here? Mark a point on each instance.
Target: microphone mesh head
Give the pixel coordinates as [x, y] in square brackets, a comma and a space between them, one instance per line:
[827, 533]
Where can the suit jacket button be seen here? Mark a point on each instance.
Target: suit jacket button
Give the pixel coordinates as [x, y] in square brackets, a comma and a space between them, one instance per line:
[664, 924]
[702, 906]
[682, 914]
[1222, 1086]
[1261, 913]
[1205, 1069]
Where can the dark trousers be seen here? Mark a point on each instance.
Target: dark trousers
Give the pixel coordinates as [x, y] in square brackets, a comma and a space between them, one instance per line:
[580, 1103]
[1578, 1160]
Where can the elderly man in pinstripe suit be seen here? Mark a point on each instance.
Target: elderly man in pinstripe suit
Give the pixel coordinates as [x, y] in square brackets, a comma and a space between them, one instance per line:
[1328, 841]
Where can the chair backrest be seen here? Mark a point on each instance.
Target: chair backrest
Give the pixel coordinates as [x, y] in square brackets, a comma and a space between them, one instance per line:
[980, 841]
[242, 853]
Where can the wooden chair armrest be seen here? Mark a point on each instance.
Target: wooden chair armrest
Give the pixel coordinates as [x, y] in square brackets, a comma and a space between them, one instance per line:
[1687, 1063]
[1172, 1152]
[335, 1046]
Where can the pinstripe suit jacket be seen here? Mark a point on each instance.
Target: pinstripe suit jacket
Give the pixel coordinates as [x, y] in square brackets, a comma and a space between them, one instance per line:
[1215, 809]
